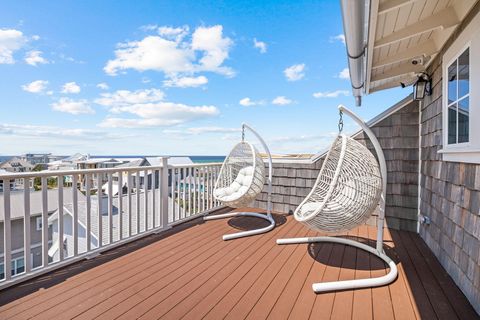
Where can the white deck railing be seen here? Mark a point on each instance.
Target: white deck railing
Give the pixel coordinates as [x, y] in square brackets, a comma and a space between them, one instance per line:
[132, 202]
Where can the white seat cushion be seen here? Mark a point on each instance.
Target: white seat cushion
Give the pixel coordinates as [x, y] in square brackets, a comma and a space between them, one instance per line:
[238, 187]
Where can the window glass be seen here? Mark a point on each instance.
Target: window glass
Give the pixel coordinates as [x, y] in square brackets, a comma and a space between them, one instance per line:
[458, 93]
[463, 74]
[2, 272]
[463, 117]
[452, 83]
[452, 124]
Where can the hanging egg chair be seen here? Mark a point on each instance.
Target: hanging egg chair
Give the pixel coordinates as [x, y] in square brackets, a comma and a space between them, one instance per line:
[347, 189]
[350, 185]
[241, 180]
[241, 177]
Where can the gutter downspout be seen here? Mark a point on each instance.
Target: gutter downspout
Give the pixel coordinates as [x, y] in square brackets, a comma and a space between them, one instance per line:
[356, 25]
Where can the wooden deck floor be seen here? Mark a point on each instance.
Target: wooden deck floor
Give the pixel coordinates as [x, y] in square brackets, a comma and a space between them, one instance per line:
[191, 273]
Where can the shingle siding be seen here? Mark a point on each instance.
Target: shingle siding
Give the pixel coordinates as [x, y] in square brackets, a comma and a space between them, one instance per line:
[398, 136]
[449, 194]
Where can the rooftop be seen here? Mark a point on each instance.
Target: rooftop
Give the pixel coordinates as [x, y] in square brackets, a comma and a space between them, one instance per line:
[190, 273]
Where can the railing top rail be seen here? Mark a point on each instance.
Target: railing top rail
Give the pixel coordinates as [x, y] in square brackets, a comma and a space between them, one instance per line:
[54, 173]
[195, 165]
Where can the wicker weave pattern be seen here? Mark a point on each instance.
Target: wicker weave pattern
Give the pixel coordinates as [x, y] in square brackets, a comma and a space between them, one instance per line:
[243, 155]
[347, 189]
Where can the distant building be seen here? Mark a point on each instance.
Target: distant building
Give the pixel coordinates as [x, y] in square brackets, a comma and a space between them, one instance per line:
[36, 158]
[14, 165]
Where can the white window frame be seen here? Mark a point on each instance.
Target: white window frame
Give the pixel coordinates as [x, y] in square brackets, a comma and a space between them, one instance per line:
[468, 152]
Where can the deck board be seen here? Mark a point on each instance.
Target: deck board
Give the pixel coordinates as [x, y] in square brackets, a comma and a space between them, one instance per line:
[192, 274]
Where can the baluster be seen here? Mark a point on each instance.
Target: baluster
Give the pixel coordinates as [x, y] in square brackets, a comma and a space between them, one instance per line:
[110, 207]
[129, 202]
[204, 187]
[88, 208]
[120, 205]
[137, 191]
[145, 191]
[26, 224]
[75, 215]
[154, 188]
[99, 207]
[189, 170]
[60, 218]
[7, 236]
[183, 193]
[173, 181]
[44, 222]
[179, 175]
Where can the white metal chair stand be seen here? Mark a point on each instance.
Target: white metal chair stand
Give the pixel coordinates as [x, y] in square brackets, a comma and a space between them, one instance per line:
[336, 203]
[241, 179]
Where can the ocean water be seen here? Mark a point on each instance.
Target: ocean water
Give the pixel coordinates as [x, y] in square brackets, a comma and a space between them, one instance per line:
[195, 159]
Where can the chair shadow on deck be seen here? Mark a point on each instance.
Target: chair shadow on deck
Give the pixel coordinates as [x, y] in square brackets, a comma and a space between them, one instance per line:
[62, 274]
[350, 262]
[251, 223]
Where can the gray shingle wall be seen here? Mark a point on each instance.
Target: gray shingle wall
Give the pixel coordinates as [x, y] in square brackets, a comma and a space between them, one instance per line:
[450, 195]
[398, 135]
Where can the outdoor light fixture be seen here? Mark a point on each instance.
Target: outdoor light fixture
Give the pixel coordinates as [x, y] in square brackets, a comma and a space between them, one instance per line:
[422, 87]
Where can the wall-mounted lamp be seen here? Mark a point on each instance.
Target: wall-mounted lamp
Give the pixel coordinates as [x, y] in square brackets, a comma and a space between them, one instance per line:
[422, 87]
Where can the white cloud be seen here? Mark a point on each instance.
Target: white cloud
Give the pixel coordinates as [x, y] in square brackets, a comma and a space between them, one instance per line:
[260, 45]
[103, 86]
[37, 86]
[150, 109]
[158, 115]
[340, 37]
[295, 72]
[281, 101]
[176, 34]
[71, 87]
[331, 94]
[75, 107]
[170, 53]
[34, 57]
[122, 98]
[54, 132]
[185, 82]
[344, 74]
[247, 102]
[11, 40]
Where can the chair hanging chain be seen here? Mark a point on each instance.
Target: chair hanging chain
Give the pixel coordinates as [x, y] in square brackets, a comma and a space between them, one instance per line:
[340, 122]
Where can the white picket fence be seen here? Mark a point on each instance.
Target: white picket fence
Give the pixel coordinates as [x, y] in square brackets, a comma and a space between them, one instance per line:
[132, 203]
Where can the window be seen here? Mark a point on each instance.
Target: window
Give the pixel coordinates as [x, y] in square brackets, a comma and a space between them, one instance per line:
[39, 223]
[18, 266]
[458, 99]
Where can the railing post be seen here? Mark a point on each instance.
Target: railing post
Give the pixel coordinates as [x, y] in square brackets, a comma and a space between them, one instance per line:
[164, 193]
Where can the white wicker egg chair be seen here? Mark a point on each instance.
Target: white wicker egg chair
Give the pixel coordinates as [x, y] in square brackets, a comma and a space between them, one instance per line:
[240, 180]
[350, 185]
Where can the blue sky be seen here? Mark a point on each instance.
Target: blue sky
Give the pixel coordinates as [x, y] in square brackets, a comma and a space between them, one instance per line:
[172, 77]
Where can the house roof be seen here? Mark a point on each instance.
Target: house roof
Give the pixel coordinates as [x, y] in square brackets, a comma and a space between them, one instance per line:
[82, 217]
[17, 204]
[16, 162]
[403, 38]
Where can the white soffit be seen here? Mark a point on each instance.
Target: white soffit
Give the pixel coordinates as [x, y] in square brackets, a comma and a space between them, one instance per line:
[404, 30]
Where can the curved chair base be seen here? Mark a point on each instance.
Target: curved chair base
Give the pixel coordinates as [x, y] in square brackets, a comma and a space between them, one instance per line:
[349, 284]
[248, 233]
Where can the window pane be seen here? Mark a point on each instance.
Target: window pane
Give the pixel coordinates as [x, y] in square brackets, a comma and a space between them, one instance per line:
[452, 124]
[463, 74]
[452, 82]
[20, 265]
[463, 117]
